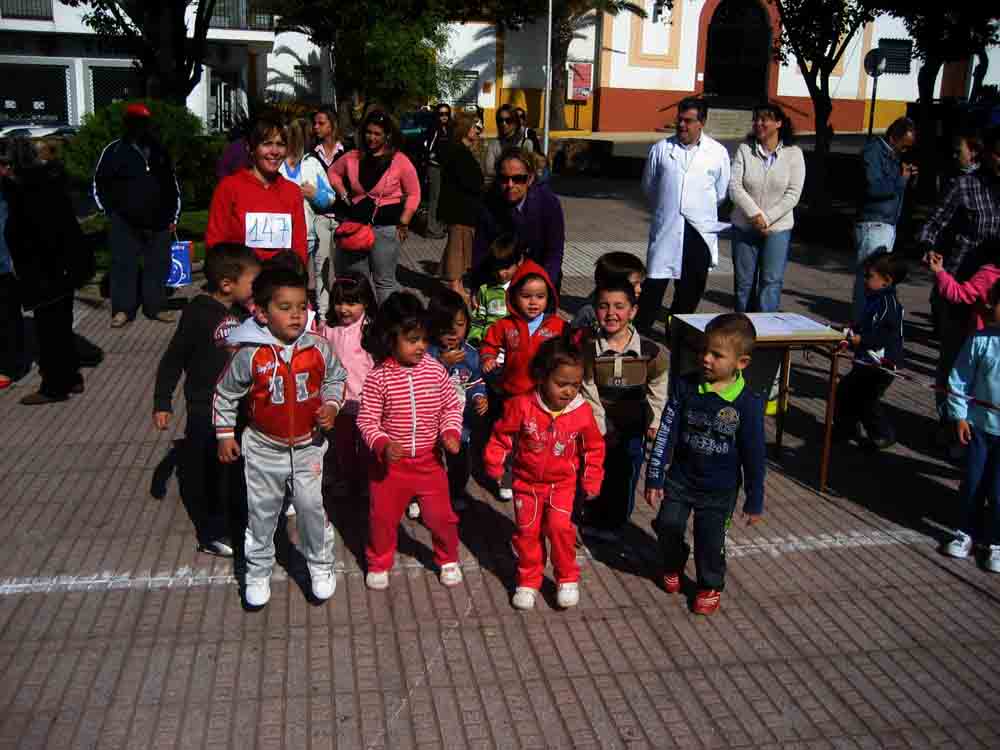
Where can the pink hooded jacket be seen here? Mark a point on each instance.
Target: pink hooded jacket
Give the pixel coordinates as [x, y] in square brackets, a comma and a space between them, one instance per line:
[346, 344]
[973, 292]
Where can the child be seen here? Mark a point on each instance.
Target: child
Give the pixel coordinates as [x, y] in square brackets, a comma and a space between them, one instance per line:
[448, 320]
[293, 384]
[625, 383]
[611, 269]
[489, 303]
[976, 376]
[348, 324]
[712, 436]
[555, 446]
[198, 349]
[973, 292]
[408, 406]
[877, 340]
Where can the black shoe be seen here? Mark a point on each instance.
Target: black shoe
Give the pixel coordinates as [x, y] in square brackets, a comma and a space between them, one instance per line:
[38, 398]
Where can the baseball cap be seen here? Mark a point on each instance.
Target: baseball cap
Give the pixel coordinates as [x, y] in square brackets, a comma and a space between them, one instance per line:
[137, 109]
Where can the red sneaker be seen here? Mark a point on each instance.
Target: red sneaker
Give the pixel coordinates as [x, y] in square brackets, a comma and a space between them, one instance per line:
[671, 582]
[707, 601]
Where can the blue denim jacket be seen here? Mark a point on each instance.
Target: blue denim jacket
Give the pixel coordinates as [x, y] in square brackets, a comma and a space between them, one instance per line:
[885, 185]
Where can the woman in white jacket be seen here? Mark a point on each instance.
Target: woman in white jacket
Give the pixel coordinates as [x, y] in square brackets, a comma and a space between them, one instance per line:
[765, 186]
[308, 172]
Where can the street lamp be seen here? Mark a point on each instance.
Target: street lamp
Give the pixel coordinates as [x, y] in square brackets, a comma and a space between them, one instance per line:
[874, 66]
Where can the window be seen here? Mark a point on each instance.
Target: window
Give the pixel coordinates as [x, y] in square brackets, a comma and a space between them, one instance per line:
[898, 55]
[40, 10]
[110, 85]
[307, 82]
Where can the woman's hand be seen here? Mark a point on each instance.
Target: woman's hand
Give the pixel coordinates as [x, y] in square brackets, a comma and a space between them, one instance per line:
[309, 191]
[935, 261]
[759, 223]
[402, 232]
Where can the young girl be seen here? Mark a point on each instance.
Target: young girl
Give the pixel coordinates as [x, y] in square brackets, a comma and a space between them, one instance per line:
[408, 407]
[448, 318]
[973, 292]
[556, 447]
[348, 324]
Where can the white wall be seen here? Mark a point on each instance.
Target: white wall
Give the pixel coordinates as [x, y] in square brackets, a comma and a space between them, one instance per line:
[291, 49]
[681, 78]
[473, 46]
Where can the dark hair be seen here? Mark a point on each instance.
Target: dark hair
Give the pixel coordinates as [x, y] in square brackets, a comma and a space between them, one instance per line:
[736, 328]
[694, 102]
[508, 109]
[22, 154]
[786, 133]
[271, 279]
[382, 119]
[442, 308]
[617, 285]
[402, 312]
[327, 110]
[263, 126]
[441, 105]
[973, 139]
[287, 260]
[617, 265]
[352, 288]
[900, 127]
[504, 252]
[513, 289]
[227, 260]
[887, 264]
[553, 353]
[991, 138]
[516, 154]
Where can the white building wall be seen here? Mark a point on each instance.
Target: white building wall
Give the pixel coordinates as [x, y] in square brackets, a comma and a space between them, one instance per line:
[473, 46]
[655, 39]
[291, 49]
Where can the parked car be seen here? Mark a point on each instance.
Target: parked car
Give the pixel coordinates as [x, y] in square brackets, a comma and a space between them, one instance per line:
[38, 131]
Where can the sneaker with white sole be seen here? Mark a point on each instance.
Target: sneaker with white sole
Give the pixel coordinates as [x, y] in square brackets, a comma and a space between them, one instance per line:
[451, 574]
[219, 547]
[506, 494]
[258, 591]
[377, 581]
[324, 584]
[290, 511]
[959, 547]
[413, 510]
[568, 594]
[524, 598]
[991, 558]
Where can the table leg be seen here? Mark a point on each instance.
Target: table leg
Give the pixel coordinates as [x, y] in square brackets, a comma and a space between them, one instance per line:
[831, 405]
[786, 377]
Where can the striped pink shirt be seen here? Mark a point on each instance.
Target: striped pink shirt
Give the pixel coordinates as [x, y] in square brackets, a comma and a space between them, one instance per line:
[413, 406]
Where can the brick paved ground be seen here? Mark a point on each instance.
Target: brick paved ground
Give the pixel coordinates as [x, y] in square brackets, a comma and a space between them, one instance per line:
[841, 627]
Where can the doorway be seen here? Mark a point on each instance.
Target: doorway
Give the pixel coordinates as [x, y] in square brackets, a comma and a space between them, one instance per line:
[738, 54]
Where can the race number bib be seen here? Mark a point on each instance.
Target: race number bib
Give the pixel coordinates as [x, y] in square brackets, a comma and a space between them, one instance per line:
[269, 231]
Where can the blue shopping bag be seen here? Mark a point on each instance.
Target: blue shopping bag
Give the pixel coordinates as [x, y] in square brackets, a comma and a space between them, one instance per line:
[180, 264]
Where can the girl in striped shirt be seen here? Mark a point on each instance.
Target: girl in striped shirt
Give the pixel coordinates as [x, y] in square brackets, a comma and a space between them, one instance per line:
[409, 410]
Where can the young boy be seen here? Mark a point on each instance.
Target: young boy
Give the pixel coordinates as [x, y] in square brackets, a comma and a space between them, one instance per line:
[625, 383]
[294, 388]
[198, 349]
[489, 303]
[611, 269]
[712, 435]
[877, 340]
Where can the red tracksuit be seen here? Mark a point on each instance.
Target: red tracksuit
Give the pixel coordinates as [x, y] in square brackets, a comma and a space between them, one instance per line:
[554, 455]
[415, 407]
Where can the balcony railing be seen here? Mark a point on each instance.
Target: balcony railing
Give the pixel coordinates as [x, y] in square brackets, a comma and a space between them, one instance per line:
[241, 14]
[33, 10]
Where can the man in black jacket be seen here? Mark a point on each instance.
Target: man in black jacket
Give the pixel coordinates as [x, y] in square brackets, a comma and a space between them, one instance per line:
[134, 184]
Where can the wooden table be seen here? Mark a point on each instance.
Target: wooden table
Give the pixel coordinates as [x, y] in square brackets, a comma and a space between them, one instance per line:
[778, 334]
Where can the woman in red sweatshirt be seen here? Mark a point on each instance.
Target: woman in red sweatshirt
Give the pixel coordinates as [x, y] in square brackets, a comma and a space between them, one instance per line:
[257, 207]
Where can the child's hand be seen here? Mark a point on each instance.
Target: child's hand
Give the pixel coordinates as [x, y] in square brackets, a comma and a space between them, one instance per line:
[451, 444]
[161, 419]
[753, 518]
[936, 262]
[481, 404]
[651, 432]
[326, 415]
[392, 452]
[452, 357]
[854, 340]
[229, 450]
[654, 495]
[964, 431]
[488, 365]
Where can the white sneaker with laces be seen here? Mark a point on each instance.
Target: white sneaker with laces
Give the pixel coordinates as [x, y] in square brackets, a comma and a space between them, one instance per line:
[568, 595]
[324, 584]
[991, 561]
[289, 511]
[506, 493]
[524, 598]
[258, 591]
[451, 574]
[377, 581]
[959, 547]
[413, 510]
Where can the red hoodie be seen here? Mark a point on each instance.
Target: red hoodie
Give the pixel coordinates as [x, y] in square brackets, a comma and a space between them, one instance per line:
[511, 334]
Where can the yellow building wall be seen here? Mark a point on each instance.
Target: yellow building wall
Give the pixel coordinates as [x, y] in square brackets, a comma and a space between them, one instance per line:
[579, 117]
[885, 112]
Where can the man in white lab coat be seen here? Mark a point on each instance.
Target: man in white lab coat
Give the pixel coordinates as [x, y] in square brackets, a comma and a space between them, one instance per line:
[686, 178]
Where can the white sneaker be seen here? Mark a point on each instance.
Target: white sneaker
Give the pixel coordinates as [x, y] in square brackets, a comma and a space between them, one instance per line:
[991, 560]
[958, 547]
[377, 581]
[524, 598]
[568, 595]
[323, 585]
[413, 510]
[451, 574]
[258, 591]
[506, 494]
[290, 511]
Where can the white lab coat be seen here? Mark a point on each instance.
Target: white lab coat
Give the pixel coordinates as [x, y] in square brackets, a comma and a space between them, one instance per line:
[675, 195]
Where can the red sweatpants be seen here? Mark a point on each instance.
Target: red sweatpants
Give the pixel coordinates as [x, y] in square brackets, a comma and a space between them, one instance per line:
[543, 510]
[353, 455]
[391, 488]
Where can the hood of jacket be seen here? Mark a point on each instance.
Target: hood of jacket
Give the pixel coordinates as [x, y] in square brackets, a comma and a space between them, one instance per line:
[530, 268]
[576, 403]
[252, 332]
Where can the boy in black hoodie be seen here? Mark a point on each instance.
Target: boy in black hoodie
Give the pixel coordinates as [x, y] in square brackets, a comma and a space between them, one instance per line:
[198, 348]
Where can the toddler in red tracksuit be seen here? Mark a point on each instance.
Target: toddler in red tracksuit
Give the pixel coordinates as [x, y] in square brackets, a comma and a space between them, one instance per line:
[409, 408]
[557, 449]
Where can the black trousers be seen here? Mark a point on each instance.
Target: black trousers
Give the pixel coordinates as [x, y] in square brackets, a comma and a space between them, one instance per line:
[11, 328]
[696, 259]
[58, 360]
[206, 485]
[859, 399]
[128, 244]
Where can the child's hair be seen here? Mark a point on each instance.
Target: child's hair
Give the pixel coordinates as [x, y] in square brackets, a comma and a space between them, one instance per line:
[288, 261]
[441, 312]
[351, 288]
[402, 312]
[555, 352]
[619, 285]
[993, 295]
[504, 252]
[617, 266]
[227, 260]
[271, 279]
[736, 328]
[887, 264]
[512, 291]
[973, 139]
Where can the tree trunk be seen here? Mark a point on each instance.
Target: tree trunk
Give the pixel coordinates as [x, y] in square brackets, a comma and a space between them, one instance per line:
[926, 131]
[562, 35]
[820, 199]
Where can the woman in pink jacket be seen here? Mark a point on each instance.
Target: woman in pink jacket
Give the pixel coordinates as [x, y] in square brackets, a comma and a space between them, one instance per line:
[381, 187]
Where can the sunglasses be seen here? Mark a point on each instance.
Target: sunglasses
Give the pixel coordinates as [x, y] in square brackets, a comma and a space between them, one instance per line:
[504, 120]
[517, 179]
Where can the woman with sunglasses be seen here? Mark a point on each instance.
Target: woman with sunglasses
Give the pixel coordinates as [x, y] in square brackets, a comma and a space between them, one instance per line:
[509, 135]
[461, 198]
[380, 186]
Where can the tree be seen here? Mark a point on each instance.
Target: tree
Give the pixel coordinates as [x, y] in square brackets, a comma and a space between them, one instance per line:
[169, 61]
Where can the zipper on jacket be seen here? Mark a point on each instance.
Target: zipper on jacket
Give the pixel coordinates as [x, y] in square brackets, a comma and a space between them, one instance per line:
[413, 417]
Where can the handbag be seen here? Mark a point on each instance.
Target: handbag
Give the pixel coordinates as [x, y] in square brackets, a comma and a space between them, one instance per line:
[355, 236]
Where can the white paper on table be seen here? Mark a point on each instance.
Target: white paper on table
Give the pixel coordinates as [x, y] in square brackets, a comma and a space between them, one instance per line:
[778, 324]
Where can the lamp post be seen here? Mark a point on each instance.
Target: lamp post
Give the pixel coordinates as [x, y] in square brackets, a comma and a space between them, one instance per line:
[874, 66]
[548, 86]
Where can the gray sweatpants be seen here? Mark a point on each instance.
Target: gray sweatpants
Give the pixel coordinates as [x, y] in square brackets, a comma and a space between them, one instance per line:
[271, 476]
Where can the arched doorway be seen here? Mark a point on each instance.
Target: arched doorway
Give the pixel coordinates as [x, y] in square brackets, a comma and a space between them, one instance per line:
[738, 53]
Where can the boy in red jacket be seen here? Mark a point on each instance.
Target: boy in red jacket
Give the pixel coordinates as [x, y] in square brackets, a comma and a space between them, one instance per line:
[557, 449]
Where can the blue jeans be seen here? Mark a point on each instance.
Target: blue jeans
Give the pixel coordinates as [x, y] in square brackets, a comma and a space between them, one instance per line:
[982, 476]
[759, 269]
[869, 237]
[379, 263]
